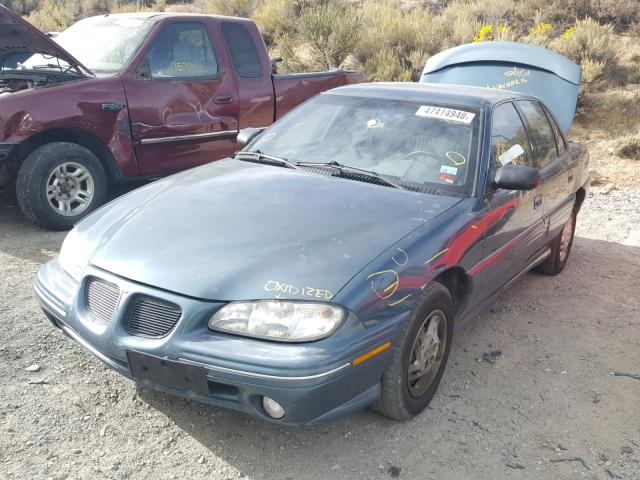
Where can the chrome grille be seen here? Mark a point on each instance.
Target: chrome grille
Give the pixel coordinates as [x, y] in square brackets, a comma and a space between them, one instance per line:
[102, 298]
[151, 317]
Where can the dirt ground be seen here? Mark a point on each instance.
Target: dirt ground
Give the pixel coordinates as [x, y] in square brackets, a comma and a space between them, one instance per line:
[549, 408]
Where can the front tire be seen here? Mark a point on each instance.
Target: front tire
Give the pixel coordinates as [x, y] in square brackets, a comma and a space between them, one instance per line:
[60, 183]
[420, 357]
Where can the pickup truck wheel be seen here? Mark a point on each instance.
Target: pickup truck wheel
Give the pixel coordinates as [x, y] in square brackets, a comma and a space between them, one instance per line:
[420, 356]
[59, 183]
[560, 249]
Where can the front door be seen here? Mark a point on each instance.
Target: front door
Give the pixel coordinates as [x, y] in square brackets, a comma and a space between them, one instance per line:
[514, 218]
[182, 103]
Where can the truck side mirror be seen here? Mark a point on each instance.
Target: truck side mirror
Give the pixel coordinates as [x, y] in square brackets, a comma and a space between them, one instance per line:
[274, 64]
[516, 177]
[247, 135]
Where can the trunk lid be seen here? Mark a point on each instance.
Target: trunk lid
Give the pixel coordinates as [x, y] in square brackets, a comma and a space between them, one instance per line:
[511, 66]
[18, 36]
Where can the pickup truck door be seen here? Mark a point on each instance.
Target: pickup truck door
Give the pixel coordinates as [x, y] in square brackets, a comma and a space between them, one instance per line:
[252, 69]
[182, 99]
[557, 167]
[513, 219]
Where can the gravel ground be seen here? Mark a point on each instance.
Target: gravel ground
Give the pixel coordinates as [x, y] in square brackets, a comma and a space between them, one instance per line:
[549, 408]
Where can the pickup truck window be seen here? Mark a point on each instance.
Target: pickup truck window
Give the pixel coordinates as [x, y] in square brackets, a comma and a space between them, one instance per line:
[103, 44]
[509, 141]
[181, 51]
[542, 136]
[243, 51]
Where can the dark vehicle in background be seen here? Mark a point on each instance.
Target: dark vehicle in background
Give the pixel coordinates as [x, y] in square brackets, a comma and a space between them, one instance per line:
[373, 218]
[125, 96]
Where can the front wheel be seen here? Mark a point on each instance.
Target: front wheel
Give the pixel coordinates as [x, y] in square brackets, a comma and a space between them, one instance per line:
[60, 183]
[420, 357]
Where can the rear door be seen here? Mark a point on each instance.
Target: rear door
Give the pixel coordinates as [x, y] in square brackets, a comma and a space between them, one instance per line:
[183, 102]
[514, 218]
[557, 168]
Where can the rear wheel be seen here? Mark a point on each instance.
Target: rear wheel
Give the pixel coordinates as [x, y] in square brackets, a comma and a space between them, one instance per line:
[420, 357]
[560, 248]
[60, 183]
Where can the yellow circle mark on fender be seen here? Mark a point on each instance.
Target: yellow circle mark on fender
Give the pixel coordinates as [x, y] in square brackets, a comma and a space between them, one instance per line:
[456, 158]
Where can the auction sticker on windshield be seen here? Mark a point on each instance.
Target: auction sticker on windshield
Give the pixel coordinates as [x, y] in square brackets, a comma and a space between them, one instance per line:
[445, 114]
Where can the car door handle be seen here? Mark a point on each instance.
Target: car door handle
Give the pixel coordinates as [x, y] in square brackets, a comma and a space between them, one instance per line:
[223, 98]
[537, 201]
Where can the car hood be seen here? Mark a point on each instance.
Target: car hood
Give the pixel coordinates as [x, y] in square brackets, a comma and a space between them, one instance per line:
[238, 230]
[19, 36]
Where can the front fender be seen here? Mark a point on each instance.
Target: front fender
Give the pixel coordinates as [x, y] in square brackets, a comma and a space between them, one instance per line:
[393, 282]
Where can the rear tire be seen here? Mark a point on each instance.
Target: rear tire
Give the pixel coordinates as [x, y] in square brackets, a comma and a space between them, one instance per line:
[560, 249]
[60, 183]
[404, 392]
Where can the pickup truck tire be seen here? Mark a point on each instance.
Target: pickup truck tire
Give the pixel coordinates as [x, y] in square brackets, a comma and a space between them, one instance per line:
[560, 248]
[420, 356]
[60, 183]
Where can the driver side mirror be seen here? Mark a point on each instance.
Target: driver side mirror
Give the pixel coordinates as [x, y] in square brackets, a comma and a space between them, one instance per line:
[516, 177]
[247, 135]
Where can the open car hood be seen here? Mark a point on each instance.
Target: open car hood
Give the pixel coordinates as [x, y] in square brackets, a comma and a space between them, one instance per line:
[511, 66]
[18, 36]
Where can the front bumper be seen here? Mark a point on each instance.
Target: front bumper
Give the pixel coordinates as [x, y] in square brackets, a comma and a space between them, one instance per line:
[313, 382]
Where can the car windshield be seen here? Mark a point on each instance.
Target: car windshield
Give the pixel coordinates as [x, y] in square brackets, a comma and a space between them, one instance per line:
[426, 145]
[102, 44]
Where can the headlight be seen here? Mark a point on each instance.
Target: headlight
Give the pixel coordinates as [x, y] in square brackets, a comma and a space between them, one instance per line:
[284, 320]
[74, 254]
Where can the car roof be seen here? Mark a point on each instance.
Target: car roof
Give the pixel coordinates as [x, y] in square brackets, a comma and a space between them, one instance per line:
[419, 92]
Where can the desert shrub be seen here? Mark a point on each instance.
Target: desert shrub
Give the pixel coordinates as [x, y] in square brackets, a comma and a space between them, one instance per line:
[52, 16]
[275, 17]
[589, 44]
[411, 35]
[332, 31]
[384, 65]
[591, 69]
[235, 8]
[621, 13]
[540, 34]
[629, 146]
[459, 26]
[284, 47]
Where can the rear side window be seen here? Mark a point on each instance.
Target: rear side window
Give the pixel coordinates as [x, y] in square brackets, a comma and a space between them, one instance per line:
[509, 141]
[243, 51]
[542, 136]
[182, 50]
[562, 146]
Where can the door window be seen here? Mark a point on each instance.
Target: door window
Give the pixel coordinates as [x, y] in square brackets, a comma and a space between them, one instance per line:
[182, 50]
[243, 51]
[542, 136]
[560, 141]
[509, 141]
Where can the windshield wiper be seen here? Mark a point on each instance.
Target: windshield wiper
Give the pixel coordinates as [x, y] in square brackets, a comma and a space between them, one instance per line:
[258, 155]
[349, 168]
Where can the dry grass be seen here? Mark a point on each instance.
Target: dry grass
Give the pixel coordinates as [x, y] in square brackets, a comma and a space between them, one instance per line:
[629, 146]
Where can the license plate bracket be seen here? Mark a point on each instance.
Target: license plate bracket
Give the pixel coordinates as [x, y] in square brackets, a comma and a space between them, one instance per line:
[183, 376]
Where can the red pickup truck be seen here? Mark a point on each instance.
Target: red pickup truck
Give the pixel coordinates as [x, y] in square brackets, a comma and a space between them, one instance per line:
[125, 96]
